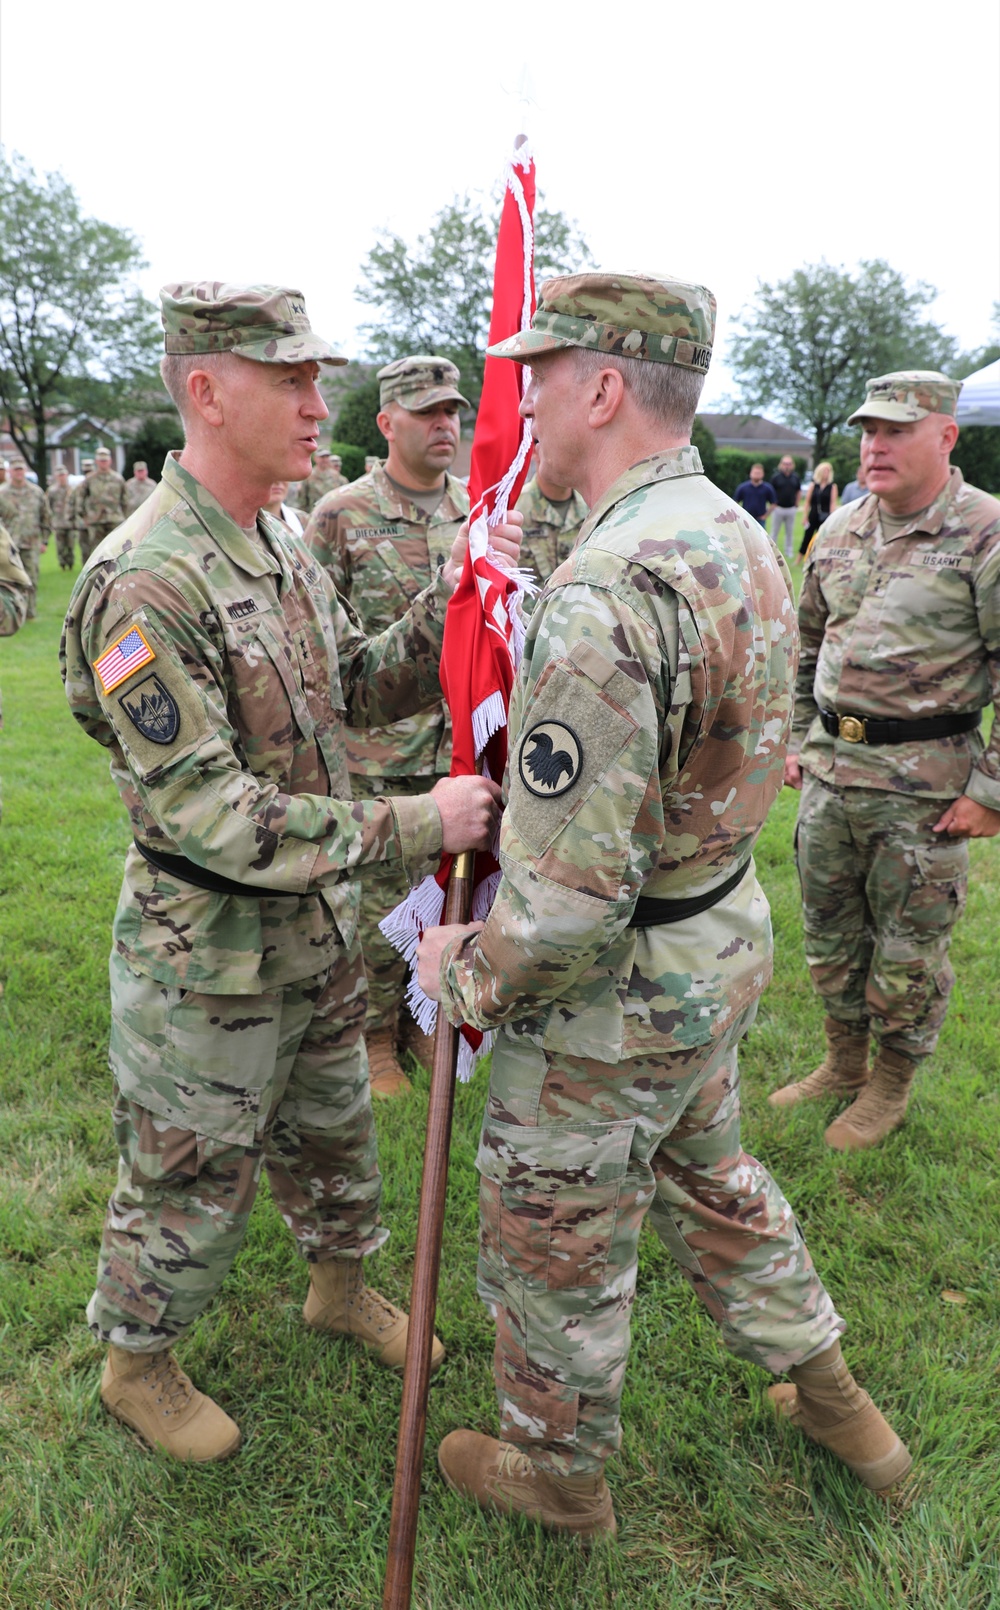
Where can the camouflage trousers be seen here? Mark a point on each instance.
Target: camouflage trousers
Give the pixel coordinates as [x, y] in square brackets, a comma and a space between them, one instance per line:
[91, 535]
[388, 972]
[207, 1087]
[31, 554]
[881, 894]
[64, 548]
[574, 1154]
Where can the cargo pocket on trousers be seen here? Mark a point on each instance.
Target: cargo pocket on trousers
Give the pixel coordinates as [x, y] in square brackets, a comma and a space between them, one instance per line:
[938, 888]
[175, 1129]
[549, 1200]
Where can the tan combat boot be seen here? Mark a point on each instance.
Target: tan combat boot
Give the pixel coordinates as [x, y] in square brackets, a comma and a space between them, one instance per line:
[827, 1404]
[502, 1478]
[842, 1072]
[151, 1393]
[880, 1108]
[384, 1072]
[339, 1301]
[413, 1039]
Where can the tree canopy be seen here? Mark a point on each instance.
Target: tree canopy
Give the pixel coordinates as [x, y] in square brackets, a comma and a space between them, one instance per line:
[810, 342]
[436, 295]
[74, 330]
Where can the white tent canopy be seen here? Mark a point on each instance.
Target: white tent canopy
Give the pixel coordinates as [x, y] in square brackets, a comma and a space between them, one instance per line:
[979, 398]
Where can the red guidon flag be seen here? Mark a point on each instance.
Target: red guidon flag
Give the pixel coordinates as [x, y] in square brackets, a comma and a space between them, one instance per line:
[483, 632]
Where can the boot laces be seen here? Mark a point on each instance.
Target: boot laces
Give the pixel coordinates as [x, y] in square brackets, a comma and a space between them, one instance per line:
[169, 1382]
[371, 1308]
[515, 1464]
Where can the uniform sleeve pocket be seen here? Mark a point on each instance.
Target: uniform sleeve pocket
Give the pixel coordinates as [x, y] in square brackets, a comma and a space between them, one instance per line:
[549, 1200]
[572, 736]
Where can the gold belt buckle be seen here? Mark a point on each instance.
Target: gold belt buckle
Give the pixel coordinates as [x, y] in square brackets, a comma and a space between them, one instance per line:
[851, 729]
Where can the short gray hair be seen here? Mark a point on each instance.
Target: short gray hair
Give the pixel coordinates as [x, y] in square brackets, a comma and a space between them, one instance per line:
[176, 366]
[667, 392]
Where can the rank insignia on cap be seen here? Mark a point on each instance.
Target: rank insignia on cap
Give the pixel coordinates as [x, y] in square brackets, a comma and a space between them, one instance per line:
[550, 760]
[152, 710]
[128, 655]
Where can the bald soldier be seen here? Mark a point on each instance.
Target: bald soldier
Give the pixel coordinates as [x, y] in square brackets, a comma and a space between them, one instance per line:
[100, 504]
[138, 487]
[381, 540]
[553, 516]
[210, 655]
[24, 510]
[900, 622]
[630, 940]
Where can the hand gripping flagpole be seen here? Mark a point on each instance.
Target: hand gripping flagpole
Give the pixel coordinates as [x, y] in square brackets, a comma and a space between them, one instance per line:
[499, 464]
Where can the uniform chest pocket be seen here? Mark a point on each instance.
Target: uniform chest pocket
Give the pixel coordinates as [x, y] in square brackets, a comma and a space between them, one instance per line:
[275, 678]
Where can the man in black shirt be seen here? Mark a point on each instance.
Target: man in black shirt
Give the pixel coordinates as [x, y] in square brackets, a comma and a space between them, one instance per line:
[787, 496]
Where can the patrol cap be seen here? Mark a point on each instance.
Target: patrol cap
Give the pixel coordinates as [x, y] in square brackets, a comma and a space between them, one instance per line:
[628, 315]
[335, 458]
[267, 323]
[322, 452]
[140, 464]
[419, 382]
[103, 452]
[86, 463]
[907, 395]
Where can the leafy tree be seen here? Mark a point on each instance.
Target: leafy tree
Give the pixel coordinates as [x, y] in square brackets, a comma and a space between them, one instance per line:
[72, 326]
[356, 419]
[704, 441]
[811, 341]
[436, 295]
[155, 437]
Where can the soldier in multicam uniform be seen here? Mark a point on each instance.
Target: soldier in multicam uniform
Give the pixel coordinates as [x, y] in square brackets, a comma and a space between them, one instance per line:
[381, 539]
[900, 623]
[209, 653]
[77, 528]
[553, 516]
[326, 477]
[101, 504]
[629, 941]
[24, 510]
[138, 487]
[15, 589]
[60, 496]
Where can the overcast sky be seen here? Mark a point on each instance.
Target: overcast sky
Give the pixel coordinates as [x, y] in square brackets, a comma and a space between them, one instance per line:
[724, 142]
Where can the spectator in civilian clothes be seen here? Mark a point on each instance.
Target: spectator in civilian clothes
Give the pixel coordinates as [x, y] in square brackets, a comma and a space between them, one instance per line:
[787, 497]
[821, 500]
[756, 495]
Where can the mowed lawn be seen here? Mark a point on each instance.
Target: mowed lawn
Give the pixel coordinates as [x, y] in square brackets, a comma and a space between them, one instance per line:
[718, 1506]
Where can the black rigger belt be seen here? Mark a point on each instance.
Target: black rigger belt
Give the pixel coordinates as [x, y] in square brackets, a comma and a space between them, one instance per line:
[863, 730]
[178, 866]
[650, 912]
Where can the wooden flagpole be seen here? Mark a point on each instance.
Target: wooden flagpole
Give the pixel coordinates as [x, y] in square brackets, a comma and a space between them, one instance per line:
[427, 1266]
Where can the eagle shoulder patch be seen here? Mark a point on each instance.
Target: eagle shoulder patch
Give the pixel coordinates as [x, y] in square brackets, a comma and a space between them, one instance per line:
[152, 710]
[550, 759]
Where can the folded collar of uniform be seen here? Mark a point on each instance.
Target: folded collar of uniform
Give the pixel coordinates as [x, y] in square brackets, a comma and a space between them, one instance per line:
[221, 527]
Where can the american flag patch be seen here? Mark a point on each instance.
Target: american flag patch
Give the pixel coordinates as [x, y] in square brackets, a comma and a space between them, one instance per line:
[129, 654]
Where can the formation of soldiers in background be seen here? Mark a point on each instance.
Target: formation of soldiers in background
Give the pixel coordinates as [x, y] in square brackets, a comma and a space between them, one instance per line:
[81, 511]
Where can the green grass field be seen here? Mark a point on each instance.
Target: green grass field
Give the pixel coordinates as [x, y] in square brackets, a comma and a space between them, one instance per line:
[718, 1507]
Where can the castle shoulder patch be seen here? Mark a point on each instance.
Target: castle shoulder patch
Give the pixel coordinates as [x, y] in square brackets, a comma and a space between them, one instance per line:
[152, 710]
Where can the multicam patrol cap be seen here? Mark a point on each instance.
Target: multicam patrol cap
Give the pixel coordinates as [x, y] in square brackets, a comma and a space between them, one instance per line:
[267, 323]
[628, 315]
[322, 452]
[908, 395]
[419, 382]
